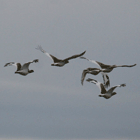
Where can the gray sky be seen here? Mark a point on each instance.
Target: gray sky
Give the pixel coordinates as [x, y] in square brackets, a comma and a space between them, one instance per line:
[51, 103]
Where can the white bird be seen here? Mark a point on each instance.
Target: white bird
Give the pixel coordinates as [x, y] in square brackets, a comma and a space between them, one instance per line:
[107, 68]
[104, 93]
[59, 62]
[96, 71]
[22, 70]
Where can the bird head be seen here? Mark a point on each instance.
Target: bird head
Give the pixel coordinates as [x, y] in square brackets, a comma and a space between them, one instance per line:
[31, 71]
[114, 93]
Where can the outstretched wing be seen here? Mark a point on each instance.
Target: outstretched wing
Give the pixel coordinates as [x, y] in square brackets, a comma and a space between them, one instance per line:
[18, 65]
[103, 66]
[97, 63]
[49, 55]
[100, 85]
[91, 81]
[93, 71]
[26, 65]
[83, 76]
[105, 79]
[75, 56]
[92, 61]
[112, 89]
[127, 65]
[55, 60]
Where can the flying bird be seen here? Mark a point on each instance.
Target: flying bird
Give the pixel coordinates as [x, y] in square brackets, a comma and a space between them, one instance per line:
[107, 68]
[59, 62]
[104, 93]
[22, 70]
[96, 71]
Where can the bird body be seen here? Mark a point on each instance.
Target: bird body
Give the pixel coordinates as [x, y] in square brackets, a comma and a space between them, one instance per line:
[22, 70]
[104, 93]
[59, 62]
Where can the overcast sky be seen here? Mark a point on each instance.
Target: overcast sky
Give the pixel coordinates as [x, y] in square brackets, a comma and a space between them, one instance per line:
[51, 103]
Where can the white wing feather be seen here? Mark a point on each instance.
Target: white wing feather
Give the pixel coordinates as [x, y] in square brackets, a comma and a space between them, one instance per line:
[93, 61]
[41, 49]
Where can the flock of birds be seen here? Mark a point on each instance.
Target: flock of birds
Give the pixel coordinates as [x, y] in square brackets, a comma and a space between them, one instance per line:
[104, 69]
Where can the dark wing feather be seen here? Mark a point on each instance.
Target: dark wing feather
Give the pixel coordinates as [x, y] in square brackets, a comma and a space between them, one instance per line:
[103, 66]
[103, 90]
[36, 60]
[91, 80]
[127, 65]
[9, 64]
[26, 65]
[93, 71]
[106, 79]
[74, 56]
[112, 89]
[18, 65]
[83, 76]
[55, 60]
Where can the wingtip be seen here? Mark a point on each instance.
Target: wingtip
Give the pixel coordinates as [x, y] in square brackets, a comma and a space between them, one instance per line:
[38, 47]
[82, 57]
[36, 60]
[5, 64]
[83, 52]
[133, 65]
[88, 80]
